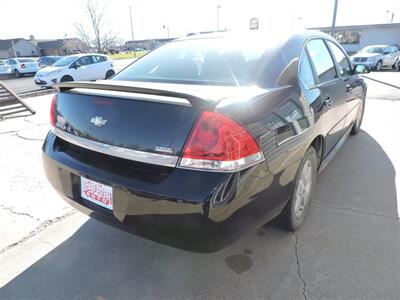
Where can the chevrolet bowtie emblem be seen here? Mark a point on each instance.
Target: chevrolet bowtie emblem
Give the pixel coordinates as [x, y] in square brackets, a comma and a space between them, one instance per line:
[98, 121]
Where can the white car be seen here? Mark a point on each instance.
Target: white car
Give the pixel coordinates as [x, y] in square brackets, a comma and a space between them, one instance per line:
[5, 69]
[21, 66]
[74, 68]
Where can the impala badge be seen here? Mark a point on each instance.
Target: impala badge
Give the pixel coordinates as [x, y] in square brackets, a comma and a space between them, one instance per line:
[98, 121]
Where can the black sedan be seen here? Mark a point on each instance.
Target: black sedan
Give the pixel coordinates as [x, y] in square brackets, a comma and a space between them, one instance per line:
[206, 138]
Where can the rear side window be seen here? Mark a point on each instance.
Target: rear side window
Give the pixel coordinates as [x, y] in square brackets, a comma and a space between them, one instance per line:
[341, 59]
[322, 60]
[305, 72]
[83, 61]
[98, 58]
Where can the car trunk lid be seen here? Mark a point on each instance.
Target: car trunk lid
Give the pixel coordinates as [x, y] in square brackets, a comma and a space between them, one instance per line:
[147, 122]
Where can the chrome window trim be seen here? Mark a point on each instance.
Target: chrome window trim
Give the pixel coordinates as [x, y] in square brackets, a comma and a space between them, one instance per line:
[125, 153]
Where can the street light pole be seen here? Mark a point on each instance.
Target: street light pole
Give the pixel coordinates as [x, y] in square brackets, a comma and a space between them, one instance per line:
[130, 13]
[218, 7]
[334, 19]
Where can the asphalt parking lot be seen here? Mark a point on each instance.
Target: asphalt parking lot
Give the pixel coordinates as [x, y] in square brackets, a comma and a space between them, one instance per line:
[349, 247]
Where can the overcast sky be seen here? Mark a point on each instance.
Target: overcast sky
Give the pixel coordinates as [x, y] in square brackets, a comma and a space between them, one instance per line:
[56, 18]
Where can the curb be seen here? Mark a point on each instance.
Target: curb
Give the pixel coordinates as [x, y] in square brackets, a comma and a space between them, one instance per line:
[36, 93]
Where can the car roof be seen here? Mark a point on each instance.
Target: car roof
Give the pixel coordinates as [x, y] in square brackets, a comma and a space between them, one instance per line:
[269, 39]
[378, 46]
[17, 58]
[85, 54]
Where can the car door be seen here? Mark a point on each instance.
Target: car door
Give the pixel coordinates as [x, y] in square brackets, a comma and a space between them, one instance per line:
[353, 84]
[81, 69]
[12, 63]
[393, 54]
[333, 91]
[97, 67]
[387, 56]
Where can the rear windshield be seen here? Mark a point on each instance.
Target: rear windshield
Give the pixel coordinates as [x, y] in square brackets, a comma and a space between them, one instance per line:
[25, 60]
[211, 61]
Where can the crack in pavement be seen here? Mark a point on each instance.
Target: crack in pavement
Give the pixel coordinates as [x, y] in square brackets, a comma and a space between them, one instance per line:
[296, 251]
[45, 242]
[320, 205]
[41, 227]
[25, 138]
[11, 131]
[18, 213]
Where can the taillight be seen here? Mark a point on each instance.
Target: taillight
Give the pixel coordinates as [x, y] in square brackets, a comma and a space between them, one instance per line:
[53, 114]
[218, 143]
[22, 66]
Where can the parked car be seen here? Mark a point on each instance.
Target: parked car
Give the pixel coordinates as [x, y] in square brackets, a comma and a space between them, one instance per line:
[76, 67]
[206, 138]
[23, 66]
[45, 61]
[5, 69]
[378, 56]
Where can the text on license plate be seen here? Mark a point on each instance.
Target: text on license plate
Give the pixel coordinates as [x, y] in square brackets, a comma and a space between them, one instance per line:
[97, 193]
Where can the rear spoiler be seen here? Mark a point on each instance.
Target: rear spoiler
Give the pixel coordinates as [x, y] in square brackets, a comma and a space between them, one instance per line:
[194, 101]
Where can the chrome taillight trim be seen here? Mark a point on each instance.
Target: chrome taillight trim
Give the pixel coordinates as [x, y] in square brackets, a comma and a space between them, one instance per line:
[134, 155]
[221, 166]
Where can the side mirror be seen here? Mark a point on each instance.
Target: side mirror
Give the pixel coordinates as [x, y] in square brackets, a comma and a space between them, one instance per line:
[361, 69]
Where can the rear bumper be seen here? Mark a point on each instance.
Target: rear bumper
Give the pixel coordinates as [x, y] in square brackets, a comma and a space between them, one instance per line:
[28, 71]
[177, 208]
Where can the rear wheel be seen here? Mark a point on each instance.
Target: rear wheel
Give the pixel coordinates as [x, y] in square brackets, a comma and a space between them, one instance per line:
[109, 74]
[17, 74]
[378, 65]
[66, 78]
[360, 114]
[295, 212]
[396, 66]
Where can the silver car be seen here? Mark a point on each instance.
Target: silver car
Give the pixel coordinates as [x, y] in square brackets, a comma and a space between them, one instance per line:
[378, 56]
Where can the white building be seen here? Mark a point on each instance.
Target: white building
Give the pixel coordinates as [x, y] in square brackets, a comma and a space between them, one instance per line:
[354, 38]
[17, 48]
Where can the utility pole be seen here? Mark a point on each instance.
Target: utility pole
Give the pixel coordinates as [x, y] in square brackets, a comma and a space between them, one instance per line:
[218, 7]
[167, 28]
[334, 19]
[130, 13]
[13, 46]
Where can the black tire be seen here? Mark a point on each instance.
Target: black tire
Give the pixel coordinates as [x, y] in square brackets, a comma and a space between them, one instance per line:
[360, 115]
[66, 78]
[378, 66]
[109, 74]
[396, 66]
[17, 74]
[293, 215]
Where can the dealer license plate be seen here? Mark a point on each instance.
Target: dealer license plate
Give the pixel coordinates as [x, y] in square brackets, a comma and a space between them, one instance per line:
[97, 193]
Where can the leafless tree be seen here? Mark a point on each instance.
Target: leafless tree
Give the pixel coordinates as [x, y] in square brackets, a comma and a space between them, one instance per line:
[100, 36]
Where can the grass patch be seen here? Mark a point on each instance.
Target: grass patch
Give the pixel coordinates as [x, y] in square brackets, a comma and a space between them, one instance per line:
[128, 55]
